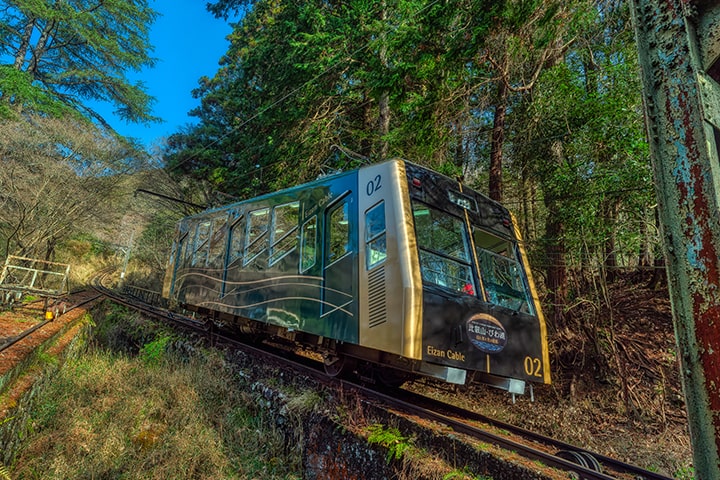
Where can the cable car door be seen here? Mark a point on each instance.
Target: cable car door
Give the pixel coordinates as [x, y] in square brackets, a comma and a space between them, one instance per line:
[339, 303]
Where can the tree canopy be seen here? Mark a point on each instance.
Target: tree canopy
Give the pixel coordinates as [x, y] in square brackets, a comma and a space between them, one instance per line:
[58, 55]
[535, 102]
[62, 161]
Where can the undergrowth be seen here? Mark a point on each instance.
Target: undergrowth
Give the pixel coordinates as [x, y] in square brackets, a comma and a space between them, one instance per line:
[390, 438]
[112, 414]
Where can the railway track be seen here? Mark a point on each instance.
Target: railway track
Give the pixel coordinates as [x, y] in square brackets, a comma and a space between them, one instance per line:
[552, 452]
[585, 464]
[78, 299]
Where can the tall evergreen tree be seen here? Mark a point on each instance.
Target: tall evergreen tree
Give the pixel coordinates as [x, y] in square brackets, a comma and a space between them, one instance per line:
[56, 55]
[583, 141]
[303, 85]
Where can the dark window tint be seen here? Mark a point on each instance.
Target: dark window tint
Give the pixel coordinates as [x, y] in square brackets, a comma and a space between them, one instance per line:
[237, 233]
[375, 238]
[339, 232]
[284, 238]
[201, 243]
[444, 252]
[501, 271]
[309, 244]
[257, 230]
[218, 240]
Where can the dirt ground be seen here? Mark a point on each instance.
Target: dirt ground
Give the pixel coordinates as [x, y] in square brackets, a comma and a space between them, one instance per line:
[23, 317]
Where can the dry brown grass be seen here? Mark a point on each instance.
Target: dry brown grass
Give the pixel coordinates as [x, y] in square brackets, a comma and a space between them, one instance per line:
[114, 416]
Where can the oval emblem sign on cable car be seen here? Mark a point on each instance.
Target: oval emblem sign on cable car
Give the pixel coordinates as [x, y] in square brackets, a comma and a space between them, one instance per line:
[486, 333]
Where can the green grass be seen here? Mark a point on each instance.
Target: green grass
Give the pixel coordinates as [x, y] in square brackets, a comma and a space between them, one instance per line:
[154, 416]
[464, 474]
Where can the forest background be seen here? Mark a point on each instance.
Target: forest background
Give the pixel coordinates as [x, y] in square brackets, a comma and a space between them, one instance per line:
[536, 103]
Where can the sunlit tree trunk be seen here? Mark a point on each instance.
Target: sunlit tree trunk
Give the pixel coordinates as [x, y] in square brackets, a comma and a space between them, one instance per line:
[24, 44]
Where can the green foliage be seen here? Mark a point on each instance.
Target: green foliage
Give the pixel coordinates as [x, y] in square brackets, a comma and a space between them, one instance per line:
[108, 415]
[57, 55]
[333, 66]
[464, 474]
[120, 329]
[685, 473]
[86, 246]
[19, 92]
[580, 140]
[391, 439]
[45, 358]
[4, 473]
[184, 416]
[153, 353]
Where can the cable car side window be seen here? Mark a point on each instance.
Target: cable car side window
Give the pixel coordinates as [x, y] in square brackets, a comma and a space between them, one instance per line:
[375, 238]
[308, 242]
[285, 224]
[189, 251]
[257, 228]
[236, 239]
[501, 271]
[201, 244]
[178, 254]
[218, 240]
[339, 232]
[443, 248]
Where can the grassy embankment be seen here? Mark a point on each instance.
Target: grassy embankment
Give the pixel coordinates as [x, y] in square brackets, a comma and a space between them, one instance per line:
[119, 411]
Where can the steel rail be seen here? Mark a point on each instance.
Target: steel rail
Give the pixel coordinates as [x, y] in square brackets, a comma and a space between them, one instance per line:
[608, 462]
[23, 334]
[34, 328]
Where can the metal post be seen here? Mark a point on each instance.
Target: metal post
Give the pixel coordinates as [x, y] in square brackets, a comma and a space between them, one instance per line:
[127, 255]
[679, 45]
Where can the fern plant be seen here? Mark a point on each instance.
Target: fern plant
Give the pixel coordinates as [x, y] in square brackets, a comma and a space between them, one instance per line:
[4, 472]
[389, 438]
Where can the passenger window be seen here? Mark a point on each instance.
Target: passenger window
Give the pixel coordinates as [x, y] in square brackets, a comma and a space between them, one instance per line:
[236, 239]
[285, 221]
[308, 247]
[201, 242]
[217, 241]
[189, 251]
[441, 232]
[339, 228]
[375, 238]
[179, 256]
[257, 229]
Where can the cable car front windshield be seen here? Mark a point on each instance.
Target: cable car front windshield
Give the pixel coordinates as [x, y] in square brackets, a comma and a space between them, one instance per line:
[501, 271]
[444, 250]
[445, 259]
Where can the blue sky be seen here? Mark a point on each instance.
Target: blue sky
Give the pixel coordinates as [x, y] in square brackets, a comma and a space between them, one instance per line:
[188, 43]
